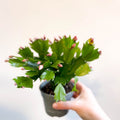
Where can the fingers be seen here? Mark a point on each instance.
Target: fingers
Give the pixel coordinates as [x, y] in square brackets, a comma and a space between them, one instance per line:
[75, 94]
[63, 105]
[79, 85]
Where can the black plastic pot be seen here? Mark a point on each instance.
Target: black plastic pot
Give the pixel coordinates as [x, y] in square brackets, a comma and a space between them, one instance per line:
[49, 100]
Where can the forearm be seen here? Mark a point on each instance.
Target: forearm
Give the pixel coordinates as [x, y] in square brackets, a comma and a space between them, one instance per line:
[97, 114]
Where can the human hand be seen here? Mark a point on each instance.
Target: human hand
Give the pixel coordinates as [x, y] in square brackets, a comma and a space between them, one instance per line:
[84, 104]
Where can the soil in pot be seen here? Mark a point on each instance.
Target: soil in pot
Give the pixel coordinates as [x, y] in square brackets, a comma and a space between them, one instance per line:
[48, 89]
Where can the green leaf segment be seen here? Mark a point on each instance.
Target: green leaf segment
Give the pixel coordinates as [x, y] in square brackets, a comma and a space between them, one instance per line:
[65, 61]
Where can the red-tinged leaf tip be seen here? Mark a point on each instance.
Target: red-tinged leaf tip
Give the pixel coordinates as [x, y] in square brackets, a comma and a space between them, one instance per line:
[73, 45]
[44, 37]
[49, 54]
[11, 56]
[60, 65]
[50, 41]
[24, 60]
[30, 40]
[56, 40]
[21, 48]
[39, 62]
[65, 36]
[6, 60]
[22, 68]
[100, 52]
[91, 41]
[60, 37]
[40, 67]
[75, 38]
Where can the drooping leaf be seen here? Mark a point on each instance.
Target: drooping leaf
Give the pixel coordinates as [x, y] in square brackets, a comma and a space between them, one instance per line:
[59, 93]
[40, 46]
[16, 62]
[82, 70]
[74, 87]
[23, 82]
[47, 75]
[26, 53]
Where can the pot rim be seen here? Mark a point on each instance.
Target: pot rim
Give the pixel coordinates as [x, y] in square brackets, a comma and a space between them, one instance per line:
[45, 82]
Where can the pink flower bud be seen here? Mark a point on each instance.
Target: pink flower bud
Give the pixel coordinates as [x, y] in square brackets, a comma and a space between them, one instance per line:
[23, 87]
[73, 45]
[15, 84]
[11, 56]
[22, 68]
[50, 41]
[21, 48]
[27, 76]
[60, 37]
[49, 54]
[75, 38]
[30, 40]
[100, 52]
[65, 36]
[44, 37]
[56, 40]
[91, 41]
[39, 62]
[60, 65]
[24, 60]
[40, 67]
[6, 60]
[90, 67]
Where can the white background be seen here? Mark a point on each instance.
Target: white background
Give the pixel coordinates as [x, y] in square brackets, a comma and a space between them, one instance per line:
[24, 19]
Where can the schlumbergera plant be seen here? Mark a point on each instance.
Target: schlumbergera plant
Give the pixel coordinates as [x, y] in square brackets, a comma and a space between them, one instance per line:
[64, 61]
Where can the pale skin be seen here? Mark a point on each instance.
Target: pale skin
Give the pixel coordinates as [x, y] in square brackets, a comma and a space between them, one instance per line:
[84, 104]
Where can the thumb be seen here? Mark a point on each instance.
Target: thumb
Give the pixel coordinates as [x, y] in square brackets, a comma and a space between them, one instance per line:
[63, 105]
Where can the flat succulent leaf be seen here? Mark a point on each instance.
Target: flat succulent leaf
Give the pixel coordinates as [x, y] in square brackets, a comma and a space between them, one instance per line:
[71, 53]
[89, 53]
[61, 49]
[75, 65]
[57, 49]
[78, 52]
[40, 46]
[82, 70]
[23, 82]
[32, 73]
[26, 52]
[16, 62]
[46, 64]
[59, 93]
[74, 87]
[62, 79]
[47, 75]
[31, 66]
[55, 65]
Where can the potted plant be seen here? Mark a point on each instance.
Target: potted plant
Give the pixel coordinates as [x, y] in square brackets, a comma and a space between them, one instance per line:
[56, 63]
